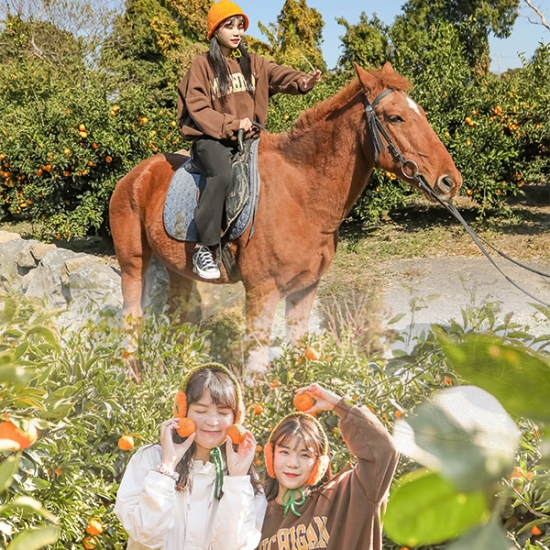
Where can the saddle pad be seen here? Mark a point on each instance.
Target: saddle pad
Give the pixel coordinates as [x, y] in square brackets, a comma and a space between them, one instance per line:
[181, 201]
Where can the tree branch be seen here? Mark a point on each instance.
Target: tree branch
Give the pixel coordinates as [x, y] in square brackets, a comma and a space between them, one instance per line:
[540, 15]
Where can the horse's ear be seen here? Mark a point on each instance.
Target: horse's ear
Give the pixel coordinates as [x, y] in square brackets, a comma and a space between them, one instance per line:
[387, 68]
[366, 79]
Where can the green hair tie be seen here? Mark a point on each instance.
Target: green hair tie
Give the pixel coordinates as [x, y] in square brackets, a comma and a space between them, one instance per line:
[290, 502]
[216, 456]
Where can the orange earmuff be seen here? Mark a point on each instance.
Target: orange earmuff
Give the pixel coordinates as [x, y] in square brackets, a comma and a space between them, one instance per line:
[319, 470]
[268, 458]
[180, 404]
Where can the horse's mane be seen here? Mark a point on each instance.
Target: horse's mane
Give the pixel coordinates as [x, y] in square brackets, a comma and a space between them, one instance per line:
[310, 117]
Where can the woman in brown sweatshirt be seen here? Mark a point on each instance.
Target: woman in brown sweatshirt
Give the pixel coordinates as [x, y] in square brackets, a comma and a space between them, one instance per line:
[225, 90]
[343, 513]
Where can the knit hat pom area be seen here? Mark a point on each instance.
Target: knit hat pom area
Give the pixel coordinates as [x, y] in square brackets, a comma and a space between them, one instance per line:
[220, 11]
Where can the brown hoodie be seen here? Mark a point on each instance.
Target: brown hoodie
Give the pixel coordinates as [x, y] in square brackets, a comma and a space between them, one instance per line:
[343, 514]
[201, 112]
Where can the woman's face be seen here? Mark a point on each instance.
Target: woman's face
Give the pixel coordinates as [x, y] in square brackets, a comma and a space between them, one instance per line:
[293, 464]
[230, 34]
[212, 422]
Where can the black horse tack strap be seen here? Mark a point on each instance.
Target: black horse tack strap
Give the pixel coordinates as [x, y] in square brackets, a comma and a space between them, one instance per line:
[377, 130]
[410, 170]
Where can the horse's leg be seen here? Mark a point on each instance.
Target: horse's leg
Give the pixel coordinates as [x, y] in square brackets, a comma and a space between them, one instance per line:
[261, 304]
[184, 300]
[298, 310]
[133, 254]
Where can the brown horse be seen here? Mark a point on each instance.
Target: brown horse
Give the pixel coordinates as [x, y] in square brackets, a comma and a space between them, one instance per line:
[311, 178]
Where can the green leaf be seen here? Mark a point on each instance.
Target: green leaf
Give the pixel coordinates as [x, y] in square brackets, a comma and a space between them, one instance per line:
[46, 334]
[34, 539]
[425, 508]
[15, 375]
[487, 537]
[515, 374]
[463, 433]
[8, 468]
[28, 505]
[8, 311]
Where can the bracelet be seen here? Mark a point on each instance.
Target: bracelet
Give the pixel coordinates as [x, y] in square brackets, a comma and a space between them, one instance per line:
[161, 468]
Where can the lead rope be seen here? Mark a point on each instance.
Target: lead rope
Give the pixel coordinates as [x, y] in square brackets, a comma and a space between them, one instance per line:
[453, 210]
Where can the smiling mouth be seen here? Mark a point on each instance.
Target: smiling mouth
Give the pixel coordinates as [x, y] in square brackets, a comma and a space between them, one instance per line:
[287, 474]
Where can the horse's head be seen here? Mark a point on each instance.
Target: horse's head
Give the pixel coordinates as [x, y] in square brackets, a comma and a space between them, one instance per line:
[400, 138]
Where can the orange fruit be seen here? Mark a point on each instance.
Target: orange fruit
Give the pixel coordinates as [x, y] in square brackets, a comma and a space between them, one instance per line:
[95, 527]
[186, 427]
[81, 127]
[90, 543]
[397, 413]
[21, 439]
[83, 134]
[275, 383]
[258, 408]
[237, 433]
[312, 354]
[303, 401]
[536, 531]
[126, 443]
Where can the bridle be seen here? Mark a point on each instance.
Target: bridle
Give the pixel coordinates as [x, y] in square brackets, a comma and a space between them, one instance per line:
[410, 170]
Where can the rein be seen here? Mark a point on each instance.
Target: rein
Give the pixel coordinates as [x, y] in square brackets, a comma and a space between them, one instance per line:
[410, 170]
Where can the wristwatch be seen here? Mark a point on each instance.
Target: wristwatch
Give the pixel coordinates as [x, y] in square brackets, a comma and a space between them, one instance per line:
[161, 468]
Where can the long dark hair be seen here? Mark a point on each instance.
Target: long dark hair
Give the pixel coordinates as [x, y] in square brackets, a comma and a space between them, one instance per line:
[223, 392]
[218, 63]
[307, 431]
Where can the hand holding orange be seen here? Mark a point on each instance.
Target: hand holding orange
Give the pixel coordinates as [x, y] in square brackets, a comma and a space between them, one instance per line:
[237, 433]
[303, 401]
[186, 427]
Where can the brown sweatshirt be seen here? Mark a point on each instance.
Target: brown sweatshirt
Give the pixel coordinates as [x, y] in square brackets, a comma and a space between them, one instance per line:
[343, 514]
[202, 112]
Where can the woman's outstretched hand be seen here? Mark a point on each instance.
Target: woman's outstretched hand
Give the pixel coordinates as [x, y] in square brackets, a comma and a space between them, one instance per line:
[311, 80]
[325, 400]
[239, 461]
[172, 452]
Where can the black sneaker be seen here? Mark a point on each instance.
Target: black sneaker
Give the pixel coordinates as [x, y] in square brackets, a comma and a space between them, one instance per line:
[204, 264]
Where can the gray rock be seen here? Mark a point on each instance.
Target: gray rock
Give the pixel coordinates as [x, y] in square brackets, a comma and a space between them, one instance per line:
[6, 236]
[45, 279]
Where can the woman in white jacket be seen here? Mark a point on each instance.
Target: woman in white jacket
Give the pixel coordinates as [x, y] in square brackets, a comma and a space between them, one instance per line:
[195, 492]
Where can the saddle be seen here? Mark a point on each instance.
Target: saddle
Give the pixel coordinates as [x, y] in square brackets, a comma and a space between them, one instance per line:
[240, 205]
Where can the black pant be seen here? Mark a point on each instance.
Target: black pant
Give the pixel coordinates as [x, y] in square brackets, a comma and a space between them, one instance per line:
[214, 159]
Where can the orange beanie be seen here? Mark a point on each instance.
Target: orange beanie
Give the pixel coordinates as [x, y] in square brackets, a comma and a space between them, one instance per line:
[220, 11]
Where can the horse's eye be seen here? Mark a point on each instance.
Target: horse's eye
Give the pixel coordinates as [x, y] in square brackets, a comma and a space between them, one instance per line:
[394, 119]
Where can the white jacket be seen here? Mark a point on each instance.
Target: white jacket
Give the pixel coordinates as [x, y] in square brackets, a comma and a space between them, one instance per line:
[156, 516]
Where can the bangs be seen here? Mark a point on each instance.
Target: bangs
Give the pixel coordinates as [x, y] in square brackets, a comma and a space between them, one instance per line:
[221, 388]
[306, 432]
[230, 20]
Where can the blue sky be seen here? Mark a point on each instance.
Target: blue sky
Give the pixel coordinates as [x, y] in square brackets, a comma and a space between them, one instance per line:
[504, 53]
